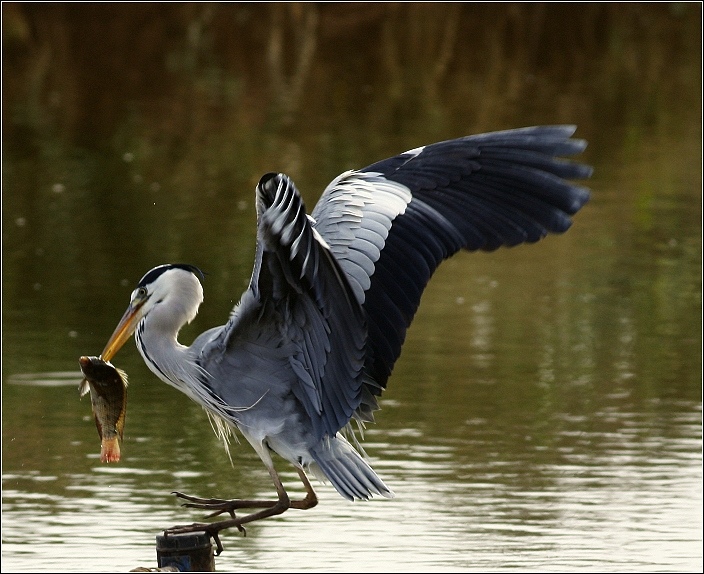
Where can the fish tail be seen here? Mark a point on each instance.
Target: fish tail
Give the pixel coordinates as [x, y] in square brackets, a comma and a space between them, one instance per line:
[109, 450]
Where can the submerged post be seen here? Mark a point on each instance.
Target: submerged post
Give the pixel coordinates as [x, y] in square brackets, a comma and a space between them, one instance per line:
[190, 552]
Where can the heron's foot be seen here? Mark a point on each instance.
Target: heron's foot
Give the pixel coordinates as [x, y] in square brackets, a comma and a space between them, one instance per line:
[216, 505]
[211, 529]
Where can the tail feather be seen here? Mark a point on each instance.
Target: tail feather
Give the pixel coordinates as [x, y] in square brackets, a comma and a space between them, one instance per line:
[337, 461]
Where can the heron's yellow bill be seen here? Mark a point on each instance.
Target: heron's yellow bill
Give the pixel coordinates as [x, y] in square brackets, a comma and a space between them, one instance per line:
[122, 332]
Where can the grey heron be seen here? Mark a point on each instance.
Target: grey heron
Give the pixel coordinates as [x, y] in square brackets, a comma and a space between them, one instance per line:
[310, 345]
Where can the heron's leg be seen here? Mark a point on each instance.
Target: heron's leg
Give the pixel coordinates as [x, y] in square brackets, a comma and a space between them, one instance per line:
[220, 506]
[272, 509]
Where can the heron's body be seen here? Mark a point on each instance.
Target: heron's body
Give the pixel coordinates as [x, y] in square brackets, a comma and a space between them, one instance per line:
[314, 338]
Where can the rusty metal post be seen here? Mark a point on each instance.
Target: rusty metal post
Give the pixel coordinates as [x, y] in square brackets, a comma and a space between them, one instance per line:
[190, 552]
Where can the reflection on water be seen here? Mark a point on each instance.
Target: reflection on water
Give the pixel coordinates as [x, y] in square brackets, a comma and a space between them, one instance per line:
[546, 412]
[50, 379]
[619, 505]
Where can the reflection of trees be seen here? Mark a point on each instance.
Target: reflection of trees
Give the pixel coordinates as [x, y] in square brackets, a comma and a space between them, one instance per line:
[420, 60]
[418, 43]
[300, 20]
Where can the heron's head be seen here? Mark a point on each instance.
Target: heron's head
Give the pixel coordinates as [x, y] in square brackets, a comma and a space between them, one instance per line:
[171, 292]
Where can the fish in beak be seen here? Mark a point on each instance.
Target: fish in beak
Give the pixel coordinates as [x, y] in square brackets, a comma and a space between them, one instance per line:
[108, 385]
[108, 397]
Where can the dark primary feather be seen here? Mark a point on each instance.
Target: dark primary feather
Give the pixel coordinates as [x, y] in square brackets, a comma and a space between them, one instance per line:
[478, 192]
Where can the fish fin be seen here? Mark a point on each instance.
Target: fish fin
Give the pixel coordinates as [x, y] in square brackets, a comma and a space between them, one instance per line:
[83, 387]
[123, 376]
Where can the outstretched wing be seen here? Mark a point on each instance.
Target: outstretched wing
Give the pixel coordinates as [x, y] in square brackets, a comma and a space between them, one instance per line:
[390, 224]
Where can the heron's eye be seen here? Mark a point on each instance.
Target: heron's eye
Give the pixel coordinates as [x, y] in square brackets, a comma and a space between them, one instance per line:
[142, 292]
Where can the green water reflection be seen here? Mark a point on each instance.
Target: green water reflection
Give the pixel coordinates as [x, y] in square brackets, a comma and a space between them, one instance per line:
[535, 382]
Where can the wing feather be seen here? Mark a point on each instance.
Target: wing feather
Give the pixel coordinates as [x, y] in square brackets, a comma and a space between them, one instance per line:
[422, 206]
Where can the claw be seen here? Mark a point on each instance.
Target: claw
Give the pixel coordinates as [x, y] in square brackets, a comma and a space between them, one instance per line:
[218, 544]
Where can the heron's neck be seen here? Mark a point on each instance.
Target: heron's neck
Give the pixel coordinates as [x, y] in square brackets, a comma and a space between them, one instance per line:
[172, 362]
[176, 365]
